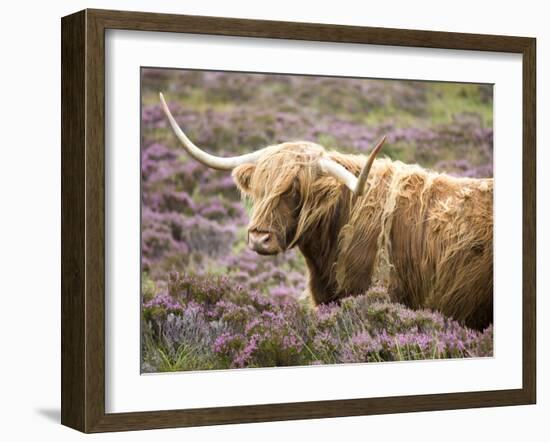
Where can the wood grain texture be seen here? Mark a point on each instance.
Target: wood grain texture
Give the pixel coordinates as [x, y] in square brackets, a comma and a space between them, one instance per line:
[529, 220]
[144, 21]
[73, 129]
[83, 220]
[95, 221]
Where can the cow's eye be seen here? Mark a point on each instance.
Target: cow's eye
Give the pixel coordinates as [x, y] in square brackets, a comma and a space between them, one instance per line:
[287, 192]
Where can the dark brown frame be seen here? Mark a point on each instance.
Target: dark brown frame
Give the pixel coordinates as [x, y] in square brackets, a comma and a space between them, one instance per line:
[83, 217]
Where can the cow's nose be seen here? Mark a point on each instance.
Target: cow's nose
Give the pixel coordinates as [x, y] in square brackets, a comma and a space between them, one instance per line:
[264, 243]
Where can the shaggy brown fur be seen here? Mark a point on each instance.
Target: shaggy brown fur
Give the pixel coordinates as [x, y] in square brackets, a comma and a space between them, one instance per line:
[426, 236]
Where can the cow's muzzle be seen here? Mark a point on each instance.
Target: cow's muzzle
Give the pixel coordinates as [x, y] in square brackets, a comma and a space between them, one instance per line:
[263, 242]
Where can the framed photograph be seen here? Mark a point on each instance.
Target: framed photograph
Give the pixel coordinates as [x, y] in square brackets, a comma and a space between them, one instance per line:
[267, 221]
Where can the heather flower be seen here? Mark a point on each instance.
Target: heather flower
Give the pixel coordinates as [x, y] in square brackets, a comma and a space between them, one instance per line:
[226, 342]
[362, 347]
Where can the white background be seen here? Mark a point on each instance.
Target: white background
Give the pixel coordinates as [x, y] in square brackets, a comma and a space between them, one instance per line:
[128, 391]
[30, 222]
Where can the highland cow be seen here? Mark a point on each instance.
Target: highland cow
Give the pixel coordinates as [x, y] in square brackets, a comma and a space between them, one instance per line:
[426, 236]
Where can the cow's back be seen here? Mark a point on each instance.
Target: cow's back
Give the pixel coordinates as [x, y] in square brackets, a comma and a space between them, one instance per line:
[427, 237]
[441, 246]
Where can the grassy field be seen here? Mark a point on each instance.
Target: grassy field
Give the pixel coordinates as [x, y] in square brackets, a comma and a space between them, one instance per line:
[207, 301]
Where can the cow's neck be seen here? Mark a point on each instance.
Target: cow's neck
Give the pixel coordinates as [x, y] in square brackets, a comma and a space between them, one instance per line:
[320, 249]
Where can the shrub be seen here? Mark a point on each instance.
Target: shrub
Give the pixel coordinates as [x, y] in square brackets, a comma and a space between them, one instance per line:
[218, 321]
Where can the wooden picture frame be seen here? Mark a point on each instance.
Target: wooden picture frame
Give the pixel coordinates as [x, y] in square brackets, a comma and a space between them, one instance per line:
[83, 220]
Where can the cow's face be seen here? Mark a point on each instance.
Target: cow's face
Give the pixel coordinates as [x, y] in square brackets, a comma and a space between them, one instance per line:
[273, 186]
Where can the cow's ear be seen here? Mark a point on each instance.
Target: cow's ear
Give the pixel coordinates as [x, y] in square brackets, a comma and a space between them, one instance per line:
[242, 175]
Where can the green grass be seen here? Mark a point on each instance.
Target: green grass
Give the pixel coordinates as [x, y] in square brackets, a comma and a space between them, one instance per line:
[446, 100]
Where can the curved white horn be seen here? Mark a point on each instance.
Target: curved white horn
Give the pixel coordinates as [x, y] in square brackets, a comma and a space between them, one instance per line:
[339, 172]
[203, 157]
[362, 180]
[355, 184]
